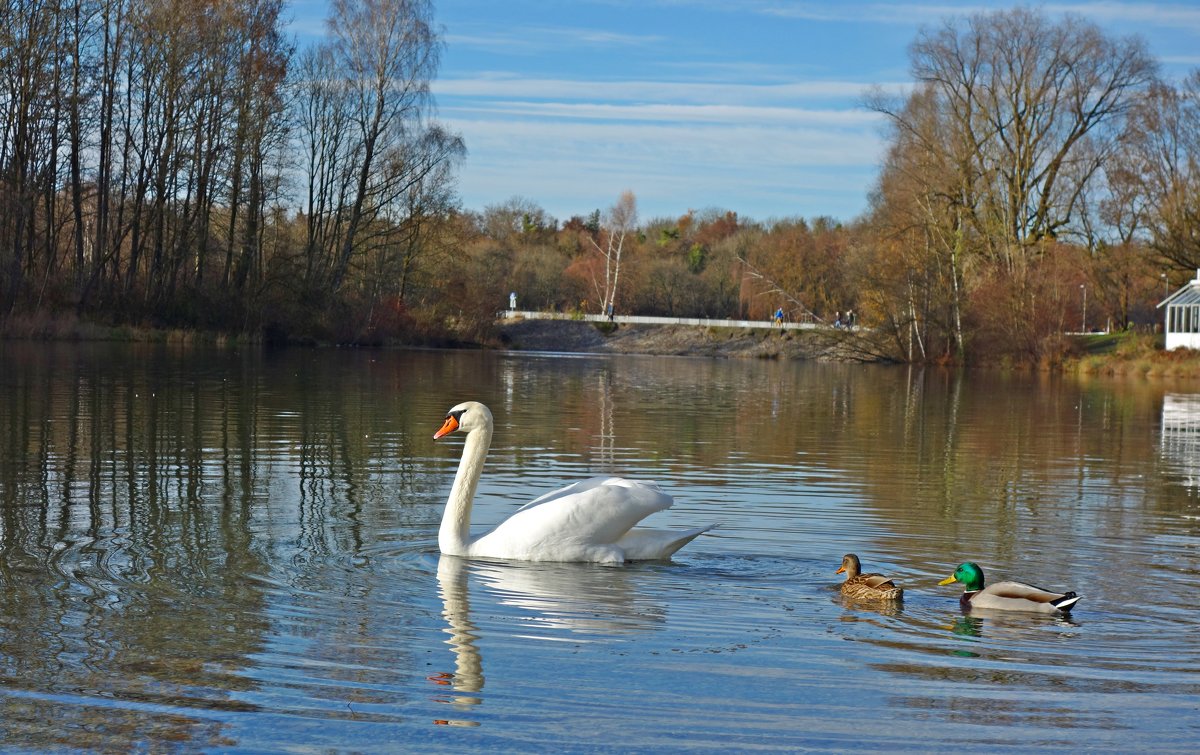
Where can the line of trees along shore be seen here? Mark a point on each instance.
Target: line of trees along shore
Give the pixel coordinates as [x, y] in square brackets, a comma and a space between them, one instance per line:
[178, 163]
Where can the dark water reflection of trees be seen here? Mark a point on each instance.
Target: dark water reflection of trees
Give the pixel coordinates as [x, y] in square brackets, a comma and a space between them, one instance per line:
[142, 490]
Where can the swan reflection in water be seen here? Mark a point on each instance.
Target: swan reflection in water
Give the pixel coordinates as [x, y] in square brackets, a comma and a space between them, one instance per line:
[467, 677]
[553, 598]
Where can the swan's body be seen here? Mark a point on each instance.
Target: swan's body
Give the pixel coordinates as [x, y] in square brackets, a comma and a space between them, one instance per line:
[592, 520]
[1007, 596]
[866, 586]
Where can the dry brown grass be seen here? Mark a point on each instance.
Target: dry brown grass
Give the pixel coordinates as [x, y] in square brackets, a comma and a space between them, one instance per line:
[69, 327]
[1133, 355]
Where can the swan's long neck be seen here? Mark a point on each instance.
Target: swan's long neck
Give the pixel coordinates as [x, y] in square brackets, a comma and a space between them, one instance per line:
[455, 533]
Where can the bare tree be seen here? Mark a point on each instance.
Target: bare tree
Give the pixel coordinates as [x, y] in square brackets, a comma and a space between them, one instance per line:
[409, 223]
[29, 128]
[1012, 121]
[610, 243]
[142, 155]
[323, 114]
[257, 132]
[388, 52]
[1025, 97]
[926, 195]
[111, 49]
[1161, 166]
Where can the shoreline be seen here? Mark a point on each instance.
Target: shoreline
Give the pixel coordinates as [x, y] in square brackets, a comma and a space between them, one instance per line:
[576, 336]
[1118, 355]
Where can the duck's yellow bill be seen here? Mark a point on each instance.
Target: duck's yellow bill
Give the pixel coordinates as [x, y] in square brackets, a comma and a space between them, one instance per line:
[947, 580]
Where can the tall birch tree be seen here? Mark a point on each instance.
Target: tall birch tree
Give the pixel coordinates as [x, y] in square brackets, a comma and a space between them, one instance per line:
[609, 242]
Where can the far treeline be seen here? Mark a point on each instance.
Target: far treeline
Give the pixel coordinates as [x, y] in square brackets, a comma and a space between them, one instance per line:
[179, 165]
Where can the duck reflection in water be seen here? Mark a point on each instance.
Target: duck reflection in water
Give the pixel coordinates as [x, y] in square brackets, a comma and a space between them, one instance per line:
[856, 607]
[972, 625]
[967, 626]
[582, 599]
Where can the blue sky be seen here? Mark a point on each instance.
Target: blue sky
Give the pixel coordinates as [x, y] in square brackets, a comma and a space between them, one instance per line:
[753, 106]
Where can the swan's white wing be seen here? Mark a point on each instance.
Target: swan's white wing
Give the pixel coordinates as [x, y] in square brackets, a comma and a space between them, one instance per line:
[663, 501]
[598, 510]
[591, 514]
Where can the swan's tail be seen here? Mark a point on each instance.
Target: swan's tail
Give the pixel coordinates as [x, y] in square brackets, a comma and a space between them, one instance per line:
[656, 545]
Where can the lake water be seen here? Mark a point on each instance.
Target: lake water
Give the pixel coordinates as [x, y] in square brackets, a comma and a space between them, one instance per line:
[237, 551]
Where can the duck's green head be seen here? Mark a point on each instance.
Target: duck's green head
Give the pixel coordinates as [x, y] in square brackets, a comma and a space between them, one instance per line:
[969, 574]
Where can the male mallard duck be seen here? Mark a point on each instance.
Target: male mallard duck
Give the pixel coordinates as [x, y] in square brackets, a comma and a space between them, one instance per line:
[866, 586]
[1007, 596]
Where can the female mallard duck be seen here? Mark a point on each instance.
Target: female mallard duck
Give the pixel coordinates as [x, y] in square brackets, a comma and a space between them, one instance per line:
[1007, 596]
[866, 586]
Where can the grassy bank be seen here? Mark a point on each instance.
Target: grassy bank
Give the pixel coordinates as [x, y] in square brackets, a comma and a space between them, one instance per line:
[60, 327]
[1131, 355]
[68, 327]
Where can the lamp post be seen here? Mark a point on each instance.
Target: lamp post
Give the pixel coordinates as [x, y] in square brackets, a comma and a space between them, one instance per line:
[1083, 288]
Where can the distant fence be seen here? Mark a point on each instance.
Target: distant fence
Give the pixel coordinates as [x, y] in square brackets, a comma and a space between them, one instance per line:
[704, 322]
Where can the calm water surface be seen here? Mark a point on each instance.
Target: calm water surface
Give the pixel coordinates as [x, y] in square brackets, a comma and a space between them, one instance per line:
[224, 551]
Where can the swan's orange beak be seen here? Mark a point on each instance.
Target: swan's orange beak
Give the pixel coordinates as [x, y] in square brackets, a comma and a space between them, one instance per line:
[449, 426]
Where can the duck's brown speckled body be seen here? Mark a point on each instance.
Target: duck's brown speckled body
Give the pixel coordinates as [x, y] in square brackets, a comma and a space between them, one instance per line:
[874, 587]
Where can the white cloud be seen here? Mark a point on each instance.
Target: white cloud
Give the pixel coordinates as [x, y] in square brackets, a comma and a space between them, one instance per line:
[696, 114]
[1141, 14]
[528, 40]
[499, 85]
[1160, 14]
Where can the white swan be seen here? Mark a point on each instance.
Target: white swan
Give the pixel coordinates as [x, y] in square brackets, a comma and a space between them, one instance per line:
[592, 520]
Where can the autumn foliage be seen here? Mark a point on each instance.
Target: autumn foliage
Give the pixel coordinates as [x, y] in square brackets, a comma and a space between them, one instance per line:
[1039, 179]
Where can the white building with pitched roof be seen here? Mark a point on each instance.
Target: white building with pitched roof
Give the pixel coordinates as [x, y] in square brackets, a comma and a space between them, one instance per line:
[1182, 324]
